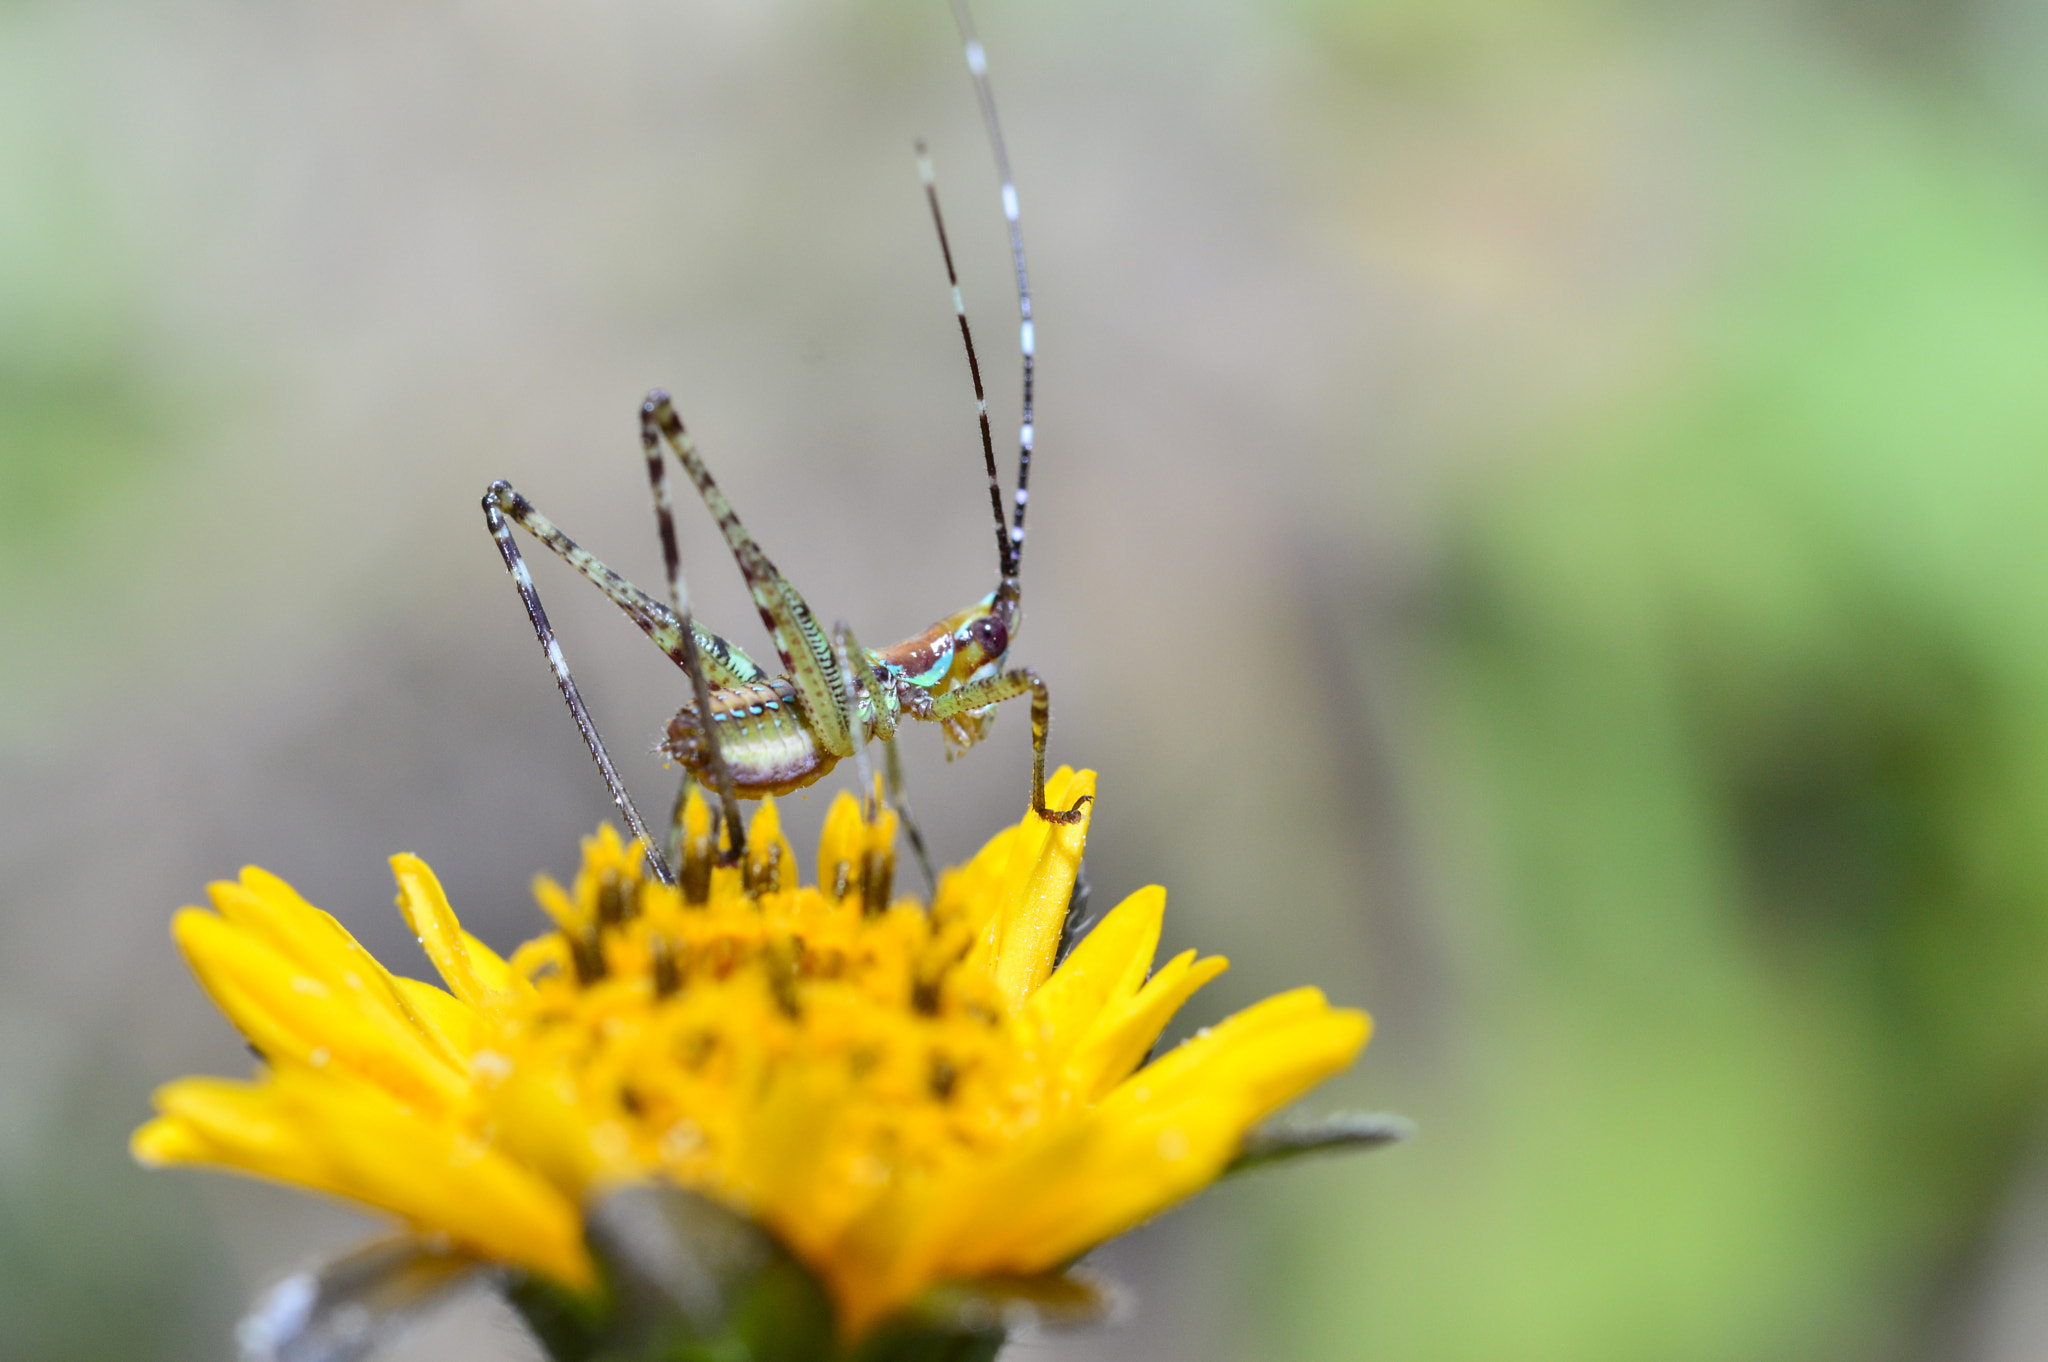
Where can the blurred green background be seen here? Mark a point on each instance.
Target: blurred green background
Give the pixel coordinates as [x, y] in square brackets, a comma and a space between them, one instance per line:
[1541, 522]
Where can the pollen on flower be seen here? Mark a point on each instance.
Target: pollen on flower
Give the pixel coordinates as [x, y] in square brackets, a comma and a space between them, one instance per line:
[904, 1095]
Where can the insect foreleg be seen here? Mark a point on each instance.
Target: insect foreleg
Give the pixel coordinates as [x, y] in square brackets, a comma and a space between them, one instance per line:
[899, 799]
[1005, 686]
[523, 580]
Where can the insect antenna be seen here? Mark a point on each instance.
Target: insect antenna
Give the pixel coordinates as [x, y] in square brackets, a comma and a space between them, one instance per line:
[977, 65]
[1006, 548]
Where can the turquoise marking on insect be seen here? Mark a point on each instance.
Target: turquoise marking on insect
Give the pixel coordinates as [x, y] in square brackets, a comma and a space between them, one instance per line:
[941, 664]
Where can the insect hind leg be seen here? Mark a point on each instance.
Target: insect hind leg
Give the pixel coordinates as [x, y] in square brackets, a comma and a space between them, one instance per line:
[693, 658]
[1007, 686]
[853, 662]
[654, 619]
[501, 532]
[806, 653]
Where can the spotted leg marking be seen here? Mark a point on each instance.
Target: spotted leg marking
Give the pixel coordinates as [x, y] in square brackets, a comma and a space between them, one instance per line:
[664, 521]
[1006, 686]
[723, 663]
[693, 659]
[807, 655]
[523, 580]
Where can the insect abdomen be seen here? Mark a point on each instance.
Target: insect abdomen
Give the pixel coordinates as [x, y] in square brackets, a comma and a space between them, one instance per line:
[766, 745]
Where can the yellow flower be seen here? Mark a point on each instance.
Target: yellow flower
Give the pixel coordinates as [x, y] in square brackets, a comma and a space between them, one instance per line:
[904, 1097]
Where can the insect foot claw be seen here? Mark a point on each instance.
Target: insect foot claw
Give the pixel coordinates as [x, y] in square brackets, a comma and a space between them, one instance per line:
[656, 397]
[1072, 815]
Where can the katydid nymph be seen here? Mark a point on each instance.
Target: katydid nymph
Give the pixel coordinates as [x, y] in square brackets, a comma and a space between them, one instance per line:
[769, 734]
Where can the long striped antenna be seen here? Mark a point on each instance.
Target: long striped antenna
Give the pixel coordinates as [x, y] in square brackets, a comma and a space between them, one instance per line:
[977, 65]
[1006, 547]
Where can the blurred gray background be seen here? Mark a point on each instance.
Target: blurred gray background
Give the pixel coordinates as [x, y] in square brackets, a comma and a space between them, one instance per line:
[1541, 521]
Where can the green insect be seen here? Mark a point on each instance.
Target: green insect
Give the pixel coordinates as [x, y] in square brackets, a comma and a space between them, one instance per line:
[748, 734]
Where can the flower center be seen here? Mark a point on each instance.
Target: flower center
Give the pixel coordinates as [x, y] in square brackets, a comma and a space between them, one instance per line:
[683, 1022]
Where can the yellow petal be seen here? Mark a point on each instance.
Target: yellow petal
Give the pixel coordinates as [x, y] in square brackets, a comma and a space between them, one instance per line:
[765, 846]
[437, 1175]
[696, 816]
[493, 970]
[936, 1228]
[458, 1026]
[1126, 1172]
[271, 911]
[320, 1131]
[1271, 1014]
[556, 903]
[543, 1123]
[1127, 1030]
[162, 1142]
[241, 1127]
[1106, 968]
[1268, 1045]
[293, 1015]
[473, 972]
[535, 957]
[267, 1033]
[1024, 935]
[1167, 1131]
[841, 844]
[1150, 1144]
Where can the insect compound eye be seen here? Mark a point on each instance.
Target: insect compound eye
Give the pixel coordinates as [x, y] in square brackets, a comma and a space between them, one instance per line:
[993, 636]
